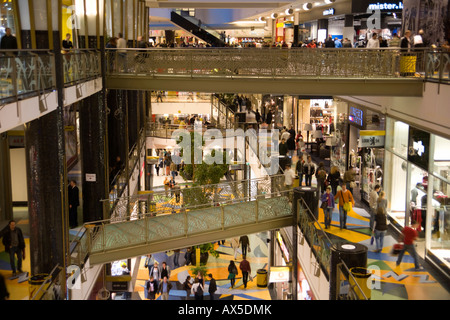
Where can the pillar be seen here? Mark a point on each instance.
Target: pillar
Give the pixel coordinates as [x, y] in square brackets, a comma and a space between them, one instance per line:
[6, 207]
[352, 254]
[296, 28]
[94, 159]
[349, 30]
[117, 134]
[322, 24]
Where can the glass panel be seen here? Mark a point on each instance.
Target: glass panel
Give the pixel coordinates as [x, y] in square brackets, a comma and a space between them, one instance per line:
[441, 163]
[7, 18]
[397, 137]
[340, 128]
[440, 221]
[395, 186]
[418, 196]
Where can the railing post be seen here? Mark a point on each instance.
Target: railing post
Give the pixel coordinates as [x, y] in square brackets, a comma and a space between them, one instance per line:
[223, 217]
[256, 210]
[186, 229]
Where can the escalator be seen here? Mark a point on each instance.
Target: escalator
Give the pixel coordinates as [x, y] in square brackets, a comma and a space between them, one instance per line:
[196, 29]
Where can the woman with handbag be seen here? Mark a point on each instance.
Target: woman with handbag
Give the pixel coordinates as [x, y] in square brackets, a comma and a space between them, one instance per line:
[345, 198]
[232, 273]
[327, 206]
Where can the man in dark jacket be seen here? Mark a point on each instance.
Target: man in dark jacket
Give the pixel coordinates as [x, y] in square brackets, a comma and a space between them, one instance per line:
[246, 269]
[8, 40]
[245, 244]
[212, 286]
[330, 43]
[74, 202]
[14, 244]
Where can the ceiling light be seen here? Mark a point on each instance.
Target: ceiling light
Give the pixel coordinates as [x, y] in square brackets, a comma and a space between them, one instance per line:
[329, 1]
[307, 6]
[274, 15]
[289, 11]
[261, 19]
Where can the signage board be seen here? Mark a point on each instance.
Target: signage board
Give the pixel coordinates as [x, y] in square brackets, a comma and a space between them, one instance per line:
[371, 138]
[279, 274]
[356, 116]
[283, 247]
[419, 147]
[363, 6]
[329, 12]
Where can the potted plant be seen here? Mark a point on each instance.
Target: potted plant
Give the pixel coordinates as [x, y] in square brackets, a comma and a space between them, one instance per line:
[206, 249]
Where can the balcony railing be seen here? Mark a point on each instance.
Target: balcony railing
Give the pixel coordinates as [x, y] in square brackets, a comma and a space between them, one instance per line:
[299, 63]
[28, 73]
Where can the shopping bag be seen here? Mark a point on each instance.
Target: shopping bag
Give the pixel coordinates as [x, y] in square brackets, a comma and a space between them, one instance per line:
[396, 248]
[371, 240]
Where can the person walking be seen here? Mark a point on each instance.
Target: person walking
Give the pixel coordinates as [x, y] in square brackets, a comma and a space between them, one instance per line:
[149, 261]
[299, 171]
[188, 256]
[289, 176]
[152, 288]
[173, 170]
[235, 246]
[245, 269]
[345, 198]
[409, 235]
[187, 285]
[212, 286]
[14, 243]
[164, 288]
[327, 206]
[350, 178]
[373, 42]
[308, 170]
[74, 202]
[321, 176]
[197, 289]
[380, 228]
[245, 242]
[334, 179]
[232, 273]
[373, 197]
[154, 271]
[165, 271]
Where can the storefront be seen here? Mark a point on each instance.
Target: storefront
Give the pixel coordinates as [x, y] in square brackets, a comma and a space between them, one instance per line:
[417, 186]
[280, 271]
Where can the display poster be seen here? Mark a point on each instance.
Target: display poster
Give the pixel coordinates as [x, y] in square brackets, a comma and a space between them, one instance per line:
[279, 274]
[419, 148]
[356, 116]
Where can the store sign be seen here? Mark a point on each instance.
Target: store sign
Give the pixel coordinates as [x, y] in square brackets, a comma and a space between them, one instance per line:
[329, 12]
[363, 6]
[371, 138]
[356, 116]
[419, 147]
[279, 274]
[283, 247]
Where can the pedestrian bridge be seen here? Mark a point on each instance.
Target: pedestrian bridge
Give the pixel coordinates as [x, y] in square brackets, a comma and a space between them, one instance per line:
[159, 223]
[299, 71]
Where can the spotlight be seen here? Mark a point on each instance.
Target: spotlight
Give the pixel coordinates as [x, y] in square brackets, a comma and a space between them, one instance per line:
[289, 11]
[274, 15]
[307, 6]
[329, 1]
[262, 19]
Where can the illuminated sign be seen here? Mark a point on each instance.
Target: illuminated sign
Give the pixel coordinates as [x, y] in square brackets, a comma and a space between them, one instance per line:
[356, 116]
[418, 147]
[283, 247]
[279, 274]
[328, 12]
[371, 138]
[360, 6]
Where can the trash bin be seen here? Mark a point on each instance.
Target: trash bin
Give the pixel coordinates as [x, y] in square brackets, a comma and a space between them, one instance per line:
[261, 278]
[35, 282]
[296, 182]
[408, 65]
[361, 276]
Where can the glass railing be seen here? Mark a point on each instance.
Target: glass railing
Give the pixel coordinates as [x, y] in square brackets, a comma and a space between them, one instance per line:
[298, 63]
[80, 65]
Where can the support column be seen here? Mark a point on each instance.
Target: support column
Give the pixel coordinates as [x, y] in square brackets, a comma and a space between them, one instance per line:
[94, 160]
[6, 207]
[296, 28]
[349, 29]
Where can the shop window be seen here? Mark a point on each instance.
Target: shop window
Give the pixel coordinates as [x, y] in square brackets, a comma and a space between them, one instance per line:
[440, 221]
[397, 137]
[395, 186]
[441, 162]
[418, 196]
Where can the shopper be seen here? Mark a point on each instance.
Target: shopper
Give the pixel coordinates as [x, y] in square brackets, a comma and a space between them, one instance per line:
[329, 43]
[289, 176]
[382, 201]
[235, 246]
[74, 202]
[283, 148]
[4, 294]
[232, 273]
[66, 43]
[149, 261]
[245, 269]
[334, 179]
[164, 288]
[373, 197]
[173, 170]
[345, 199]
[321, 176]
[165, 271]
[373, 42]
[409, 235]
[308, 170]
[154, 271]
[8, 40]
[405, 42]
[395, 41]
[350, 178]
[187, 285]
[166, 186]
[291, 145]
[152, 288]
[197, 290]
[380, 228]
[245, 243]
[299, 171]
[188, 256]
[14, 243]
[212, 286]
[328, 205]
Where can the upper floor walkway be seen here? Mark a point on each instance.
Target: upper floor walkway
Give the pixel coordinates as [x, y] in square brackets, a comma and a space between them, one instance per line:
[299, 71]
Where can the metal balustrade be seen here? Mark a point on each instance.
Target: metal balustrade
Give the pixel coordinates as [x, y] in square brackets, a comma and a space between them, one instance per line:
[299, 63]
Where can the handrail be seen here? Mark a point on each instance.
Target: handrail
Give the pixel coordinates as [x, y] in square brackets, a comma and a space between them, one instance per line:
[46, 290]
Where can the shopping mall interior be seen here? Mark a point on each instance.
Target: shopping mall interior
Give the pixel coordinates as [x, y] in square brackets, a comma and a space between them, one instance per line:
[149, 147]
